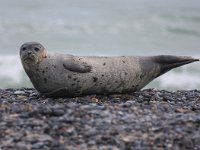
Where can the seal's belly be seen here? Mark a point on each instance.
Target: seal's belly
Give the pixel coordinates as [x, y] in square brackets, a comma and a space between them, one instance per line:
[106, 76]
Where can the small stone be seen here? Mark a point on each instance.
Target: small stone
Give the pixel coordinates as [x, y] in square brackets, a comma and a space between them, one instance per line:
[140, 96]
[44, 137]
[37, 137]
[92, 142]
[184, 98]
[33, 95]
[158, 98]
[19, 93]
[128, 138]
[38, 145]
[58, 112]
[22, 146]
[167, 98]
[21, 97]
[181, 110]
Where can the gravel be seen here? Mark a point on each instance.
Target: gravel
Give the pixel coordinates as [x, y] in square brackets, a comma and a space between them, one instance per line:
[148, 119]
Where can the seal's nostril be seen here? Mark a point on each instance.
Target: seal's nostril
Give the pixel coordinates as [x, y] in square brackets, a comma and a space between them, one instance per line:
[29, 52]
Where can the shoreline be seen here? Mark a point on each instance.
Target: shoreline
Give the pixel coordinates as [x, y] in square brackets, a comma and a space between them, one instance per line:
[147, 119]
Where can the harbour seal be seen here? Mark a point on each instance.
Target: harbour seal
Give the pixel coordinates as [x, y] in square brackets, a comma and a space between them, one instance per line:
[64, 75]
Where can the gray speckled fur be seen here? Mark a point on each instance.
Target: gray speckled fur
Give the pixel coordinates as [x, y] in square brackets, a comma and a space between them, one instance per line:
[62, 75]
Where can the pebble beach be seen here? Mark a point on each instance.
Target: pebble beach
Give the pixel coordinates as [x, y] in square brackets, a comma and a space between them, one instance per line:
[147, 119]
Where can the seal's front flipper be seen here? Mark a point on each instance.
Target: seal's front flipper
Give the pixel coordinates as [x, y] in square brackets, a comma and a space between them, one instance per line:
[168, 62]
[76, 66]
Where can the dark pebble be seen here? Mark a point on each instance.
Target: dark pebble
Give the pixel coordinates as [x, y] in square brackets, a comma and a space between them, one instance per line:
[58, 112]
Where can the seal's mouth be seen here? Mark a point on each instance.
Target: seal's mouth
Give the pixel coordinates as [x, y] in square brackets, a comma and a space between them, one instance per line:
[29, 59]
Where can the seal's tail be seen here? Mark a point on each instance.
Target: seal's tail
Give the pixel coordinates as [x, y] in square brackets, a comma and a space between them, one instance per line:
[168, 62]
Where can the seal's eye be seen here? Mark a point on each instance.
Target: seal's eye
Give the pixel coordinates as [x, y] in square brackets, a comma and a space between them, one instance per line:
[24, 48]
[36, 49]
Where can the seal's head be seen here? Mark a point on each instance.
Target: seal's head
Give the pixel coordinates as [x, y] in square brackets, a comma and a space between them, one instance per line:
[32, 53]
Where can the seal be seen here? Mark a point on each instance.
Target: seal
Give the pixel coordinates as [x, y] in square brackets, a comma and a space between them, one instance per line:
[64, 75]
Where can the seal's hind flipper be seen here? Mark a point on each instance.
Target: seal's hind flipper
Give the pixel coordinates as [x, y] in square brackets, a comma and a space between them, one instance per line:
[168, 62]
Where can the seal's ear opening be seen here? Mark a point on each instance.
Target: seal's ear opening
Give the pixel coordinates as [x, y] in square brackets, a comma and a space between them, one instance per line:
[22, 49]
[168, 62]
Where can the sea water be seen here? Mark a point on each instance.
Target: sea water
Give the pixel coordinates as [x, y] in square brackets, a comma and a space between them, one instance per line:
[103, 28]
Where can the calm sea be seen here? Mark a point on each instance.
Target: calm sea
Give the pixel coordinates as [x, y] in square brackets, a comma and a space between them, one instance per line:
[102, 27]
